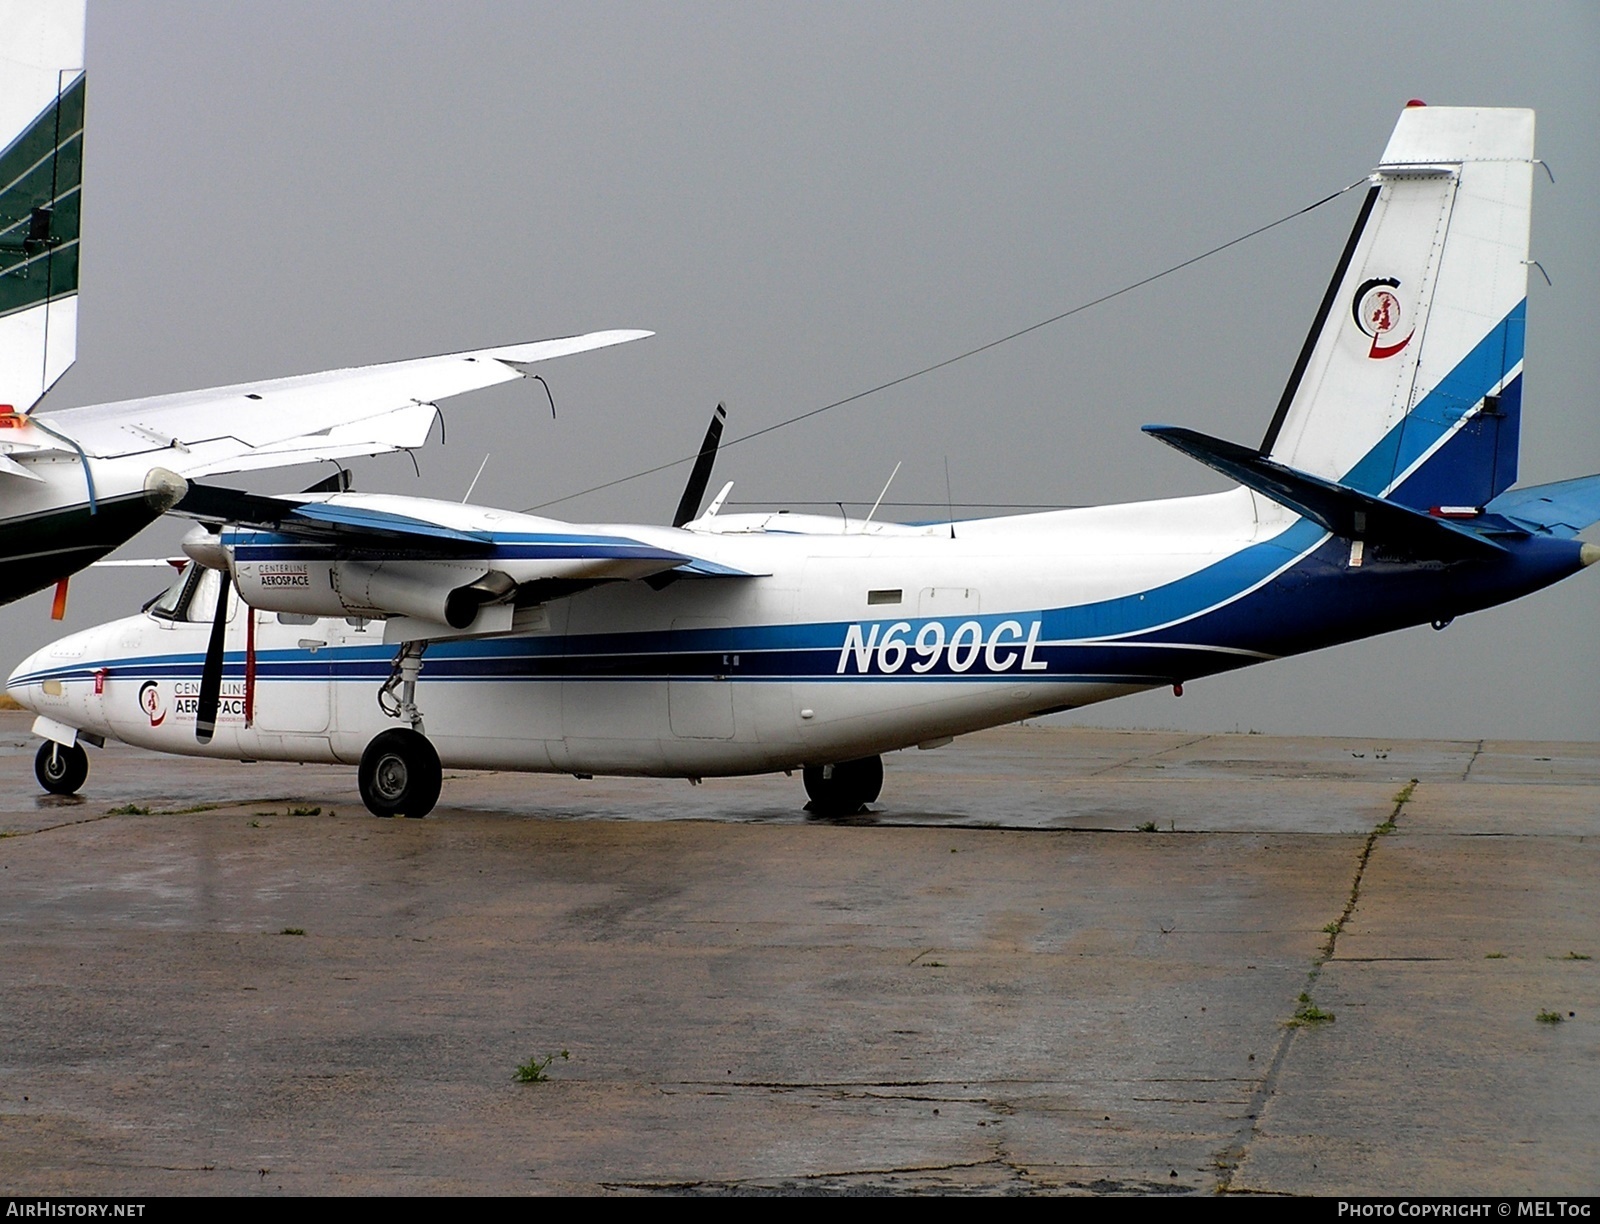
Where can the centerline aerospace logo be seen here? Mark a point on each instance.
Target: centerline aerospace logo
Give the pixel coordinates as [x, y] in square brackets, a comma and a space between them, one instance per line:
[186, 701]
[1377, 312]
[152, 703]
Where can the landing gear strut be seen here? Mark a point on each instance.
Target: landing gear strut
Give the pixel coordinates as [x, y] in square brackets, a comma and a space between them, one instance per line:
[400, 774]
[843, 789]
[403, 676]
[61, 768]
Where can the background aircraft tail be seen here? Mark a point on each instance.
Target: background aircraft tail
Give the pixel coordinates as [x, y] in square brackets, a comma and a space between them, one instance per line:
[41, 168]
[1409, 386]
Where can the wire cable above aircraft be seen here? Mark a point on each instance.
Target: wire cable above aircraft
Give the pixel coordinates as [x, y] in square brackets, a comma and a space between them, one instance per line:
[972, 352]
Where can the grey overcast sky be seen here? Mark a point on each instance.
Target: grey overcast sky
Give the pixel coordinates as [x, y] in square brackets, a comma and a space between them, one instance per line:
[805, 200]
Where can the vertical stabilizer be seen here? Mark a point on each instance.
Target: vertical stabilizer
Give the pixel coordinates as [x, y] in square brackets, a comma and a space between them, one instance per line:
[1409, 385]
[41, 169]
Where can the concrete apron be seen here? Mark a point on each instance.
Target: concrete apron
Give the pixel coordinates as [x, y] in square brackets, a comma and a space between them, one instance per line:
[997, 982]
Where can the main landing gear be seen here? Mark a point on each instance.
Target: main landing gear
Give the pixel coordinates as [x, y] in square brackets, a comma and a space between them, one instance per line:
[400, 774]
[61, 768]
[843, 789]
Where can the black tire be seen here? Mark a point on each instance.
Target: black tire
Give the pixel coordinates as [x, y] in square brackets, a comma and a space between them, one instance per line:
[400, 775]
[61, 769]
[845, 788]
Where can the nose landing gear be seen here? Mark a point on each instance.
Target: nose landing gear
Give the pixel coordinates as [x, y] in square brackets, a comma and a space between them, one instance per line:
[61, 768]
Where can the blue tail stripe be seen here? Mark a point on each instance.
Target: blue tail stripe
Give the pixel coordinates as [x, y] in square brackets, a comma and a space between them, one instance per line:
[1458, 393]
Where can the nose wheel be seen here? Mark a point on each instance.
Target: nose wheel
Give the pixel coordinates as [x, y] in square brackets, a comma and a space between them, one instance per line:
[400, 774]
[61, 768]
[843, 789]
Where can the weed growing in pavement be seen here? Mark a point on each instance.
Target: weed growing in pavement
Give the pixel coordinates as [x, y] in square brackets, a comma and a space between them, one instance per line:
[535, 1070]
[1308, 1014]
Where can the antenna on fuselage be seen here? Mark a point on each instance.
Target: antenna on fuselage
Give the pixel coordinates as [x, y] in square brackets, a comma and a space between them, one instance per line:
[866, 521]
[694, 492]
[949, 498]
[474, 483]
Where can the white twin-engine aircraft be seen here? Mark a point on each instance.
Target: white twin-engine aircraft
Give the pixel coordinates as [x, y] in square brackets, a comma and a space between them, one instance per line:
[405, 635]
[77, 483]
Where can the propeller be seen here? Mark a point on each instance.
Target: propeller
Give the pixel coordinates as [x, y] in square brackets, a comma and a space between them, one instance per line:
[205, 720]
[695, 491]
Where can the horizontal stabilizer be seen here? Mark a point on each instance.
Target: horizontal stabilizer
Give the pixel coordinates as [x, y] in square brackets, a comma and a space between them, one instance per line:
[1561, 509]
[1335, 507]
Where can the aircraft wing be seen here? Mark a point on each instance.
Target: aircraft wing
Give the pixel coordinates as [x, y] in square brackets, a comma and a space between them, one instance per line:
[360, 527]
[306, 418]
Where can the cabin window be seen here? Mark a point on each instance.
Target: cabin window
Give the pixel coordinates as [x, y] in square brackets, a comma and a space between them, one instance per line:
[296, 618]
[884, 597]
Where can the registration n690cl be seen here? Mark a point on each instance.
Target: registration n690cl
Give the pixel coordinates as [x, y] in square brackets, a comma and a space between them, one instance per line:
[870, 649]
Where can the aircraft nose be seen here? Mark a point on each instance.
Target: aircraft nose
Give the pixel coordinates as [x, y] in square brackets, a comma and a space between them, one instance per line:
[42, 681]
[22, 686]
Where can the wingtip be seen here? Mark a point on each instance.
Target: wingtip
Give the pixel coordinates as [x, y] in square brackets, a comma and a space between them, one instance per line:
[1589, 554]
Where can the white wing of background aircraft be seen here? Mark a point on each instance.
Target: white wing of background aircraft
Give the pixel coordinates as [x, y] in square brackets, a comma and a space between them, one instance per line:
[77, 483]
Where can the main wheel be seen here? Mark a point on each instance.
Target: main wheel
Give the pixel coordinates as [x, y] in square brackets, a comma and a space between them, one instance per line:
[845, 788]
[61, 768]
[400, 774]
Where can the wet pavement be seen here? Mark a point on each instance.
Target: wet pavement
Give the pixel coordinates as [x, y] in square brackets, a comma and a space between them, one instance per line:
[1051, 960]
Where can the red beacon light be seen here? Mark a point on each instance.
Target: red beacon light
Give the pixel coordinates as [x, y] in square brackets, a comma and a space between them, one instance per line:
[10, 418]
[1415, 102]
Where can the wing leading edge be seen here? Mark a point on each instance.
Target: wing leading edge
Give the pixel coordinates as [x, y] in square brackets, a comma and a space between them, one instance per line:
[305, 418]
[356, 526]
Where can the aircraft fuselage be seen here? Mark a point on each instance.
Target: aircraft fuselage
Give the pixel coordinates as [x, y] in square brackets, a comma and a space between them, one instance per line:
[852, 642]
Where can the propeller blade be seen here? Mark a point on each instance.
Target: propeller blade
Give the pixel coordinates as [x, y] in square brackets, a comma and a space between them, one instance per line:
[694, 492]
[205, 719]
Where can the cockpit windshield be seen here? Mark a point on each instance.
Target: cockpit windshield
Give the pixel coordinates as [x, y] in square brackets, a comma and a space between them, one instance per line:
[192, 597]
[166, 604]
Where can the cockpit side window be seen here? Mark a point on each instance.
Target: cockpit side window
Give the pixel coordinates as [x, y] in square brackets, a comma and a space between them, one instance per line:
[169, 604]
[192, 598]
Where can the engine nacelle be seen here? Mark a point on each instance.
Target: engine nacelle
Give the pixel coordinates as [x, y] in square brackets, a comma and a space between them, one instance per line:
[444, 592]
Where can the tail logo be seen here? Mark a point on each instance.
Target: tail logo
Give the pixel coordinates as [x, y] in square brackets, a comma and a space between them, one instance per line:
[1376, 310]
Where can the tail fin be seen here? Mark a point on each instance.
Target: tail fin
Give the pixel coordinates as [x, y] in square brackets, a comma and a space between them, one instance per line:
[41, 168]
[1410, 384]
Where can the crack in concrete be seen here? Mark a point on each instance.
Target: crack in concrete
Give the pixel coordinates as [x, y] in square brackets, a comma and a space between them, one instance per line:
[1231, 1157]
[1473, 760]
[1133, 760]
[1025, 1180]
[195, 810]
[65, 824]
